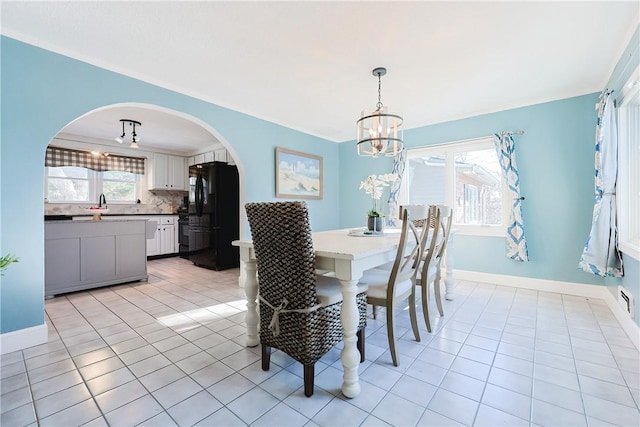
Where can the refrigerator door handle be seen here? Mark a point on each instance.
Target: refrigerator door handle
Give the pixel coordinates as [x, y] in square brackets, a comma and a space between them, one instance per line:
[199, 195]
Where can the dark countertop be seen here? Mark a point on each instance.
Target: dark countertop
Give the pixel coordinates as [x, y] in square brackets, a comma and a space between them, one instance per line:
[69, 217]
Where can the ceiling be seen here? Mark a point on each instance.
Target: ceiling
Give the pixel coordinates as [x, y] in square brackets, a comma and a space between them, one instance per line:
[307, 65]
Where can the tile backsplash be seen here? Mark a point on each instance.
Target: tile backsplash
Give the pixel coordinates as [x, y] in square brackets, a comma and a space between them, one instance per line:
[156, 203]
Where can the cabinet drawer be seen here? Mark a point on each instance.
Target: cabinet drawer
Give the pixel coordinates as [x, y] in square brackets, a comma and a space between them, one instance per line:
[167, 220]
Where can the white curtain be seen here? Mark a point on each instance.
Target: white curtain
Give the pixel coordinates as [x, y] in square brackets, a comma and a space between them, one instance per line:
[516, 241]
[601, 255]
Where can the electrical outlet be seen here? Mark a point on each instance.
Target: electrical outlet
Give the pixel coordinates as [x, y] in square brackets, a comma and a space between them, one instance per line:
[625, 299]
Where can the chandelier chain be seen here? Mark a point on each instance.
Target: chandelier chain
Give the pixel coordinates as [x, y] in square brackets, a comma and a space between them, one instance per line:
[379, 104]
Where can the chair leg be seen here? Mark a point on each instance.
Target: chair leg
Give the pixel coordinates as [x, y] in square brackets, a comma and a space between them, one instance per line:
[374, 311]
[425, 304]
[391, 334]
[308, 379]
[360, 343]
[436, 291]
[413, 315]
[266, 357]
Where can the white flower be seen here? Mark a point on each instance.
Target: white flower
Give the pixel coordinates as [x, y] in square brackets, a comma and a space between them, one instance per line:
[374, 185]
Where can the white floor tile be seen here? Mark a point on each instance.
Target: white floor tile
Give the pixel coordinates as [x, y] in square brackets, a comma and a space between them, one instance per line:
[134, 412]
[340, 413]
[176, 392]
[610, 411]
[281, 415]
[398, 411]
[454, 406]
[508, 401]
[182, 334]
[557, 395]
[546, 414]
[463, 385]
[431, 418]
[490, 417]
[252, 405]
[194, 409]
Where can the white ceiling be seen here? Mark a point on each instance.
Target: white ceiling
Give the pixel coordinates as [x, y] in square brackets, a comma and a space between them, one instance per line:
[307, 65]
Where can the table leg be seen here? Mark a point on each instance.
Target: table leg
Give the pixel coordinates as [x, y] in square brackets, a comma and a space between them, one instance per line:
[448, 268]
[251, 291]
[350, 356]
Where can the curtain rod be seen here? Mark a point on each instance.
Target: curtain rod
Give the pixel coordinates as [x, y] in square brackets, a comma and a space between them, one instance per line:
[460, 141]
[512, 132]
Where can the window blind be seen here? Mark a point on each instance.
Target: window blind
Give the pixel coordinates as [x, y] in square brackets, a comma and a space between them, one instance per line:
[57, 157]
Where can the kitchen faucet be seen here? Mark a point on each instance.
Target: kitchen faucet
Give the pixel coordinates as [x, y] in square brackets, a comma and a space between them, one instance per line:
[102, 200]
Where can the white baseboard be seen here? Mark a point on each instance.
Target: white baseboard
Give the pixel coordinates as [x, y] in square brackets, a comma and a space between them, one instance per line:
[578, 289]
[23, 338]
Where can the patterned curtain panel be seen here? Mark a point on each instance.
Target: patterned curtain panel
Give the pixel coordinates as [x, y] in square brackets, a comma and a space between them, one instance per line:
[601, 255]
[398, 170]
[57, 157]
[516, 242]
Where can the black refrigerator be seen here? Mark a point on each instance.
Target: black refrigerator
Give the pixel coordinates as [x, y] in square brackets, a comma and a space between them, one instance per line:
[214, 216]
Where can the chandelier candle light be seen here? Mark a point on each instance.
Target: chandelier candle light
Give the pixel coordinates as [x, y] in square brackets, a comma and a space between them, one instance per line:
[379, 131]
[374, 185]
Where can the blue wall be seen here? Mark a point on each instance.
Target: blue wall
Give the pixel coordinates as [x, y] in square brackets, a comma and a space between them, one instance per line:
[42, 92]
[555, 158]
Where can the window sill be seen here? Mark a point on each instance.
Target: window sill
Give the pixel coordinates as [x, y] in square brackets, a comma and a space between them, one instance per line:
[629, 249]
[487, 231]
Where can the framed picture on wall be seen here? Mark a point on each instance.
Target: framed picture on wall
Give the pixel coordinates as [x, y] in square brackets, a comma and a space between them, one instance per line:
[298, 175]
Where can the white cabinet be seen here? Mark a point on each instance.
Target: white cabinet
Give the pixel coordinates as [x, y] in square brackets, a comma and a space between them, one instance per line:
[168, 236]
[220, 155]
[198, 159]
[166, 239]
[167, 173]
[153, 245]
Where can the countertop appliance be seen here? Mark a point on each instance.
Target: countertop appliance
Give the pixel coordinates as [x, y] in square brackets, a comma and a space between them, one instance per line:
[213, 218]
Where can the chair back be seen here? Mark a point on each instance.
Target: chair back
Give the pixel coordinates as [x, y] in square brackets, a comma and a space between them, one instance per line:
[285, 258]
[404, 264]
[445, 220]
[419, 214]
[431, 237]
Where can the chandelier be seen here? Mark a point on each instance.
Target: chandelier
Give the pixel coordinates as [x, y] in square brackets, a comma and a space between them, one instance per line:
[379, 131]
[134, 136]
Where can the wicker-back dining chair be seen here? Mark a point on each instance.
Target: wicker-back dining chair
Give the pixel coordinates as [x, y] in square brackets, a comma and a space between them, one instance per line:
[299, 310]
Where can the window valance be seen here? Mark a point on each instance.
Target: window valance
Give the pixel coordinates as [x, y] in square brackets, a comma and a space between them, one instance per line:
[57, 157]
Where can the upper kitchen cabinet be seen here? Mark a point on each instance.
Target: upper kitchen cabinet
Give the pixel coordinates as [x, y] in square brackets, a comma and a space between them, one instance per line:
[167, 172]
[219, 155]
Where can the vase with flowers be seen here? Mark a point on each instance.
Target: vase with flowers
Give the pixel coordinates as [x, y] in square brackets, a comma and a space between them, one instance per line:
[374, 185]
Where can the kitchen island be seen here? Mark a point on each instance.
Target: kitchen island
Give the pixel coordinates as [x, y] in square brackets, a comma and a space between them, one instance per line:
[82, 255]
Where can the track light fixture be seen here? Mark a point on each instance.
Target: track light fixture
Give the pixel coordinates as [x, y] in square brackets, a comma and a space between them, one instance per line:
[134, 136]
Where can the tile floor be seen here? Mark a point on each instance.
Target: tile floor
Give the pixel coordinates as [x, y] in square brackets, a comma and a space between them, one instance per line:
[171, 352]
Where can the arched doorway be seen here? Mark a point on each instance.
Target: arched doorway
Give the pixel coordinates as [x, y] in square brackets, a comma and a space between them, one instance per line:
[160, 134]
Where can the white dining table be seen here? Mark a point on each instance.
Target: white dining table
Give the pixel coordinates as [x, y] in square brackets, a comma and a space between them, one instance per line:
[346, 255]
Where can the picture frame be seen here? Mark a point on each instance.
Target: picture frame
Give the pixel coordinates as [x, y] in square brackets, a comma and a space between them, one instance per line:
[298, 175]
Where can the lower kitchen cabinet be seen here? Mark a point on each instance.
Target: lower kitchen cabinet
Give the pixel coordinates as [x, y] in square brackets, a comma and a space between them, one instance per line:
[88, 254]
[165, 240]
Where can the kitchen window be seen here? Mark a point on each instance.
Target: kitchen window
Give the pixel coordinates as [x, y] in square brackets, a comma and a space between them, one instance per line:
[71, 184]
[464, 175]
[74, 176]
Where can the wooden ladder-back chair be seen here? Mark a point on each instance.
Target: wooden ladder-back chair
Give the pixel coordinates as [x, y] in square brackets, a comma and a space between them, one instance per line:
[299, 311]
[389, 288]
